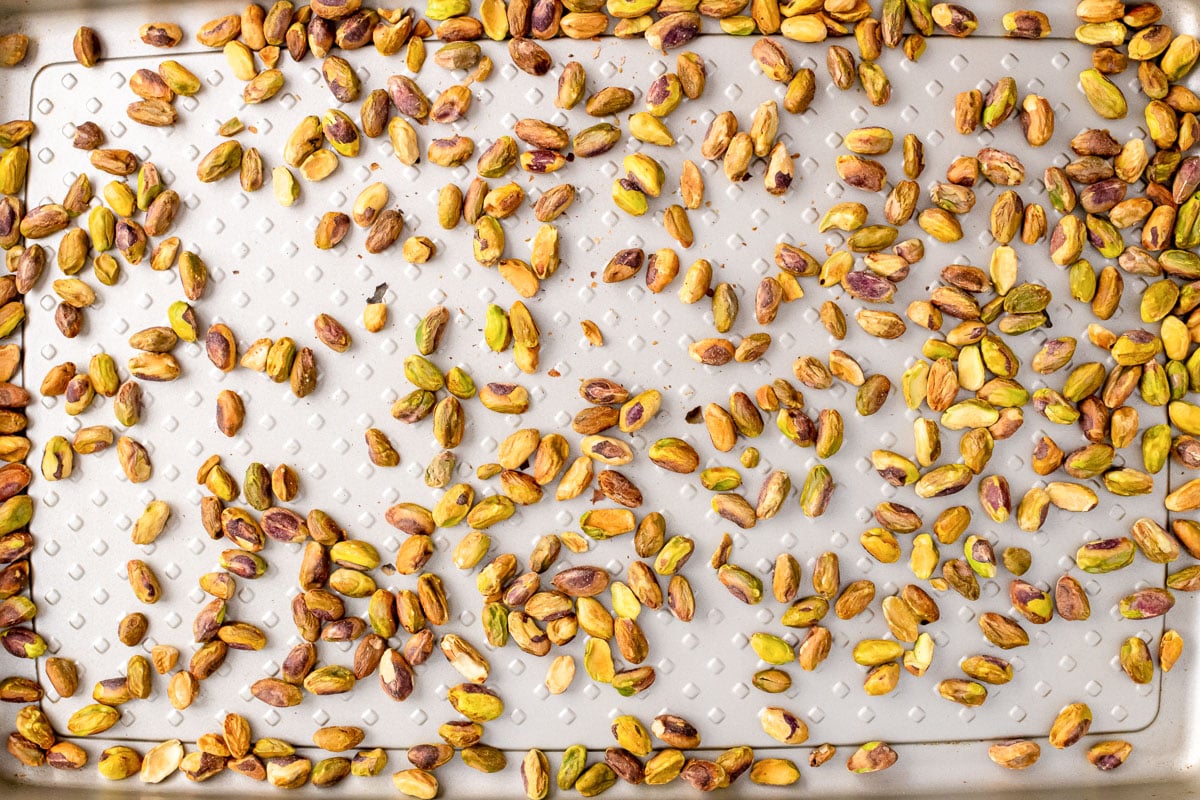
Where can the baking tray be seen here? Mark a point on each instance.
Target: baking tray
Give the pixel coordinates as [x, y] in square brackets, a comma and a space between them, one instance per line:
[268, 280]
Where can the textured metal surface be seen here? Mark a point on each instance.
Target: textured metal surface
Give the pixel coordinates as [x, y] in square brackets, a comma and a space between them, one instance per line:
[268, 280]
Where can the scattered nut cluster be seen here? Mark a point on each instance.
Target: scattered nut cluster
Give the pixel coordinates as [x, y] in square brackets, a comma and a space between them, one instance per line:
[967, 378]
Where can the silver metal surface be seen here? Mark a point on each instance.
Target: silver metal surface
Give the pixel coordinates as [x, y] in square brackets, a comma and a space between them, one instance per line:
[268, 280]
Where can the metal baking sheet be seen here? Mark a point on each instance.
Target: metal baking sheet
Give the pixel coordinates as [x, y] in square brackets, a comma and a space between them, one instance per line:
[268, 280]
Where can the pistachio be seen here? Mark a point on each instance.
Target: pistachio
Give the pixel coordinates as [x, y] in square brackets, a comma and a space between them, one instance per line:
[871, 757]
[1016, 754]
[13, 47]
[118, 763]
[1146, 603]
[1108, 755]
[1170, 647]
[1002, 632]
[1071, 724]
[92, 719]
